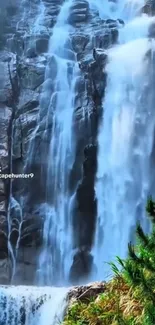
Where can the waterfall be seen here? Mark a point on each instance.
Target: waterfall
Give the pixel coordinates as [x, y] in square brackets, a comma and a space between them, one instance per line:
[125, 140]
[32, 305]
[60, 76]
[124, 143]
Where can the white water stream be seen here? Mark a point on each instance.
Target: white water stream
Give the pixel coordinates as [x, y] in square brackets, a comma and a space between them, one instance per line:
[125, 140]
[32, 305]
[56, 256]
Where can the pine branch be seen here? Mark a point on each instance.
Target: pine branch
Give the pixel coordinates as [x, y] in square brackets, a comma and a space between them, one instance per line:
[132, 273]
[142, 237]
[140, 261]
[150, 208]
[132, 253]
[120, 261]
[147, 289]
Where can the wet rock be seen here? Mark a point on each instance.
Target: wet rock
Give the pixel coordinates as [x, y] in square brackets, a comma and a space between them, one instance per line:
[149, 8]
[26, 266]
[42, 45]
[5, 271]
[31, 232]
[85, 62]
[151, 32]
[84, 213]
[79, 42]
[121, 21]
[3, 244]
[32, 73]
[84, 292]
[5, 118]
[8, 66]
[100, 56]
[31, 53]
[11, 10]
[80, 4]
[77, 18]
[109, 21]
[14, 235]
[89, 165]
[81, 266]
[52, 11]
[79, 12]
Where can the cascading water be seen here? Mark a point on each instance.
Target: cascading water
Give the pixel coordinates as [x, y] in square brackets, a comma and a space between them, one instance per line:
[55, 259]
[124, 142]
[126, 9]
[31, 305]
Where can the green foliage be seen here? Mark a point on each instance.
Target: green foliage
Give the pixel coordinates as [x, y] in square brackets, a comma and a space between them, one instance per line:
[139, 269]
[129, 299]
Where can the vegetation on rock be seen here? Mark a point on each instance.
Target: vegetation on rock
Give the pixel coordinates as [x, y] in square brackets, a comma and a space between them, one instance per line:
[129, 298]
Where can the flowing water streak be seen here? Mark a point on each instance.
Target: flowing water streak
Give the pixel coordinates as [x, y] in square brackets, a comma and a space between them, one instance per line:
[126, 9]
[39, 21]
[20, 305]
[55, 259]
[125, 143]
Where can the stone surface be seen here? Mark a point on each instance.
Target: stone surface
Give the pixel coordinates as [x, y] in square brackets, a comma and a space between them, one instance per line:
[149, 7]
[84, 292]
[81, 266]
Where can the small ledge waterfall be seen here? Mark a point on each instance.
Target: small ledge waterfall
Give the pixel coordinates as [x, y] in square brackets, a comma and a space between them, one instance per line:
[31, 305]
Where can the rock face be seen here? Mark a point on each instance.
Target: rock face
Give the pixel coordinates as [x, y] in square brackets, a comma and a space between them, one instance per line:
[23, 59]
[149, 7]
[8, 86]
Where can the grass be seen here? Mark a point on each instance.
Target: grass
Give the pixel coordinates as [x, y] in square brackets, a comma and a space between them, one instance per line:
[129, 298]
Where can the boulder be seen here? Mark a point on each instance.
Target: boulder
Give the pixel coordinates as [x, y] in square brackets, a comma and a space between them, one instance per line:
[85, 292]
